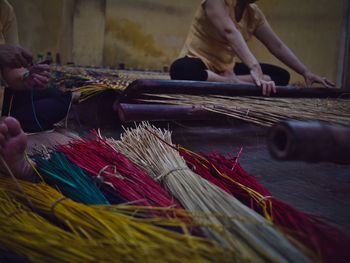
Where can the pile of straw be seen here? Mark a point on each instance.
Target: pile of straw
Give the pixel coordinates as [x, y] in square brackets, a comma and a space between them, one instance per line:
[263, 111]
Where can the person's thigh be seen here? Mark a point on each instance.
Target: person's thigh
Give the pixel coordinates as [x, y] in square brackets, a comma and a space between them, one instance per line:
[279, 75]
[36, 114]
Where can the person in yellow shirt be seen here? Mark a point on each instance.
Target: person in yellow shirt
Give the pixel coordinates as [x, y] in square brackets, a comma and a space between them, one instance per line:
[218, 36]
[8, 24]
[27, 96]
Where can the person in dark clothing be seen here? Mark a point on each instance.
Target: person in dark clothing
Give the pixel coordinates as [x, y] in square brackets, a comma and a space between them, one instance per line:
[27, 96]
[188, 68]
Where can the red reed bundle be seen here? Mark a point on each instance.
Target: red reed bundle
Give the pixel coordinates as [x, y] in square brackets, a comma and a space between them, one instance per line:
[327, 242]
[97, 157]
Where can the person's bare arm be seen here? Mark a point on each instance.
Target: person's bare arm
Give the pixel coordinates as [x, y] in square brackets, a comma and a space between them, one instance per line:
[280, 50]
[217, 13]
[13, 56]
[14, 77]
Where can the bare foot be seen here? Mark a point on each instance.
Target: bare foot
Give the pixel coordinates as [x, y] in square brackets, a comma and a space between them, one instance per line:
[13, 143]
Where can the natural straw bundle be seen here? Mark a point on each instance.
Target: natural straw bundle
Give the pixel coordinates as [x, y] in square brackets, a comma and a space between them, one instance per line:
[135, 241]
[263, 111]
[254, 240]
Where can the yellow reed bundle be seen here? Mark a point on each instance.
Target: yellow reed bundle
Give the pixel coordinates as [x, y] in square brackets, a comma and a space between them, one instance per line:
[88, 91]
[135, 241]
[30, 235]
[100, 79]
[254, 240]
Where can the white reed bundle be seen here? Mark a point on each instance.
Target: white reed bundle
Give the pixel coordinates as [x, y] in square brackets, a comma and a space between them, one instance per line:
[254, 240]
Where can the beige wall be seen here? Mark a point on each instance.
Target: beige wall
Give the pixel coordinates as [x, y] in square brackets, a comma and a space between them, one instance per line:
[311, 28]
[38, 23]
[150, 33]
[88, 32]
[146, 33]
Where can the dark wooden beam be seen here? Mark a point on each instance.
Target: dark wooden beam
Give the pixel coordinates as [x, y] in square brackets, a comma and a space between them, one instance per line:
[161, 112]
[309, 141]
[346, 66]
[152, 86]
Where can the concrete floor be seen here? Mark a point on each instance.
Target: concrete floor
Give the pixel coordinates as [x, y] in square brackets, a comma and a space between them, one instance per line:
[322, 189]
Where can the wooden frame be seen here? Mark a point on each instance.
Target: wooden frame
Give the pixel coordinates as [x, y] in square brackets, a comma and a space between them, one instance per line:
[344, 54]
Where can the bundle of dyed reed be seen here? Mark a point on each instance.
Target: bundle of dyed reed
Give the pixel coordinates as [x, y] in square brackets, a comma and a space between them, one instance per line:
[252, 240]
[130, 240]
[327, 242]
[70, 179]
[30, 235]
[101, 160]
[89, 82]
[264, 111]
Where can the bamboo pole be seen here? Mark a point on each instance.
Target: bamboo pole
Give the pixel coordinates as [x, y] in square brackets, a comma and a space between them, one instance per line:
[309, 141]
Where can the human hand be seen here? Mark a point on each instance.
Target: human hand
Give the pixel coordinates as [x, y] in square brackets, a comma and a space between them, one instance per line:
[12, 56]
[37, 77]
[267, 85]
[311, 78]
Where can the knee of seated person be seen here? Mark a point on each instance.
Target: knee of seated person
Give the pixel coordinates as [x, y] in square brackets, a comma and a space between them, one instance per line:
[286, 79]
[282, 79]
[188, 69]
[177, 70]
[173, 72]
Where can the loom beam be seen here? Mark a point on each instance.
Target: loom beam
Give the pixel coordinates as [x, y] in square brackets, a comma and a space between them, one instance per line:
[151, 86]
[161, 112]
[309, 141]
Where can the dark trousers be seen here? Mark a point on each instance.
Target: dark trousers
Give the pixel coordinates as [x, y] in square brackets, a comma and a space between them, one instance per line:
[187, 68]
[36, 110]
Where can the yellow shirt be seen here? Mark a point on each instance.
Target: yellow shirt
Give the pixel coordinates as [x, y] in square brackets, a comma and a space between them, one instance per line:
[8, 24]
[204, 41]
[8, 32]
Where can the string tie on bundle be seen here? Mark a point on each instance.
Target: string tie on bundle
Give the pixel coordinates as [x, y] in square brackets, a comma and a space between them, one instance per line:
[114, 173]
[54, 204]
[160, 177]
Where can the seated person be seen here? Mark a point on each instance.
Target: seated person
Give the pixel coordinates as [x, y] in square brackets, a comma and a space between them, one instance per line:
[27, 96]
[218, 36]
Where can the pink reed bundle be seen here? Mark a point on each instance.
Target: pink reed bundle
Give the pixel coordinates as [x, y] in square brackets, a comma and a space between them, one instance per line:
[98, 158]
[328, 243]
